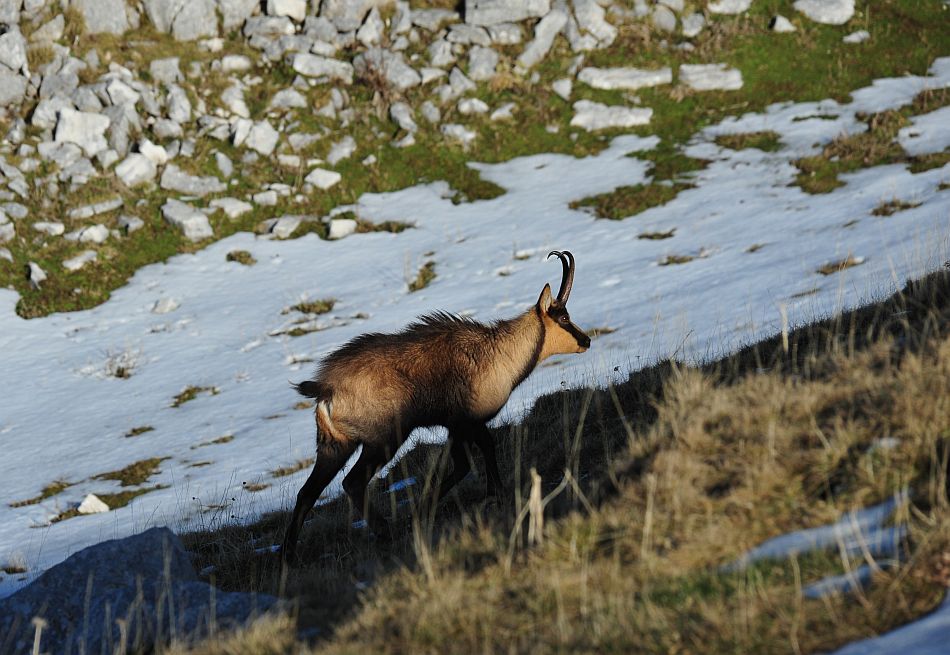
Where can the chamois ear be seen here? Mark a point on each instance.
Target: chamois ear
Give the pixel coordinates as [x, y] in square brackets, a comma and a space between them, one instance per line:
[544, 300]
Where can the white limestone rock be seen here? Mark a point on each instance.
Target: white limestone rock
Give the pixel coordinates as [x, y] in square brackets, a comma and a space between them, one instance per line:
[781, 24]
[593, 116]
[322, 178]
[165, 305]
[106, 16]
[342, 149]
[482, 62]
[7, 232]
[92, 504]
[236, 63]
[262, 138]
[503, 113]
[235, 12]
[467, 34]
[319, 66]
[84, 129]
[710, 77]
[392, 65]
[563, 87]
[50, 31]
[663, 18]
[193, 224]
[97, 233]
[505, 34]
[468, 106]
[729, 6]
[591, 18]
[175, 179]
[88, 211]
[432, 19]
[346, 15]
[624, 78]
[166, 70]
[294, 9]
[371, 32]
[492, 12]
[829, 12]
[153, 151]
[179, 106]
[77, 262]
[36, 274]
[857, 37]
[233, 100]
[341, 227]
[51, 228]
[232, 207]
[693, 24]
[13, 52]
[459, 133]
[284, 226]
[136, 169]
[401, 113]
[12, 88]
[130, 223]
[430, 112]
[288, 99]
[544, 33]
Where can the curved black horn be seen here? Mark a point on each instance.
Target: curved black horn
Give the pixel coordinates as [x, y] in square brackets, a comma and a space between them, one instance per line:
[567, 274]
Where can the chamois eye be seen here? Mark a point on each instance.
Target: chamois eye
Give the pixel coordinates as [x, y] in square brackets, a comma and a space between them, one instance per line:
[563, 319]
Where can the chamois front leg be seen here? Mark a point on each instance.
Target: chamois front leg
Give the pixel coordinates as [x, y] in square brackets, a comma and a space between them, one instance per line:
[460, 464]
[481, 437]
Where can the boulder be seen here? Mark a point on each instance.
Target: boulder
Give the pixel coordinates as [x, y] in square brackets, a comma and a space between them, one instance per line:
[829, 12]
[136, 169]
[85, 129]
[624, 78]
[319, 66]
[192, 223]
[593, 116]
[391, 65]
[544, 33]
[729, 6]
[348, 15]
[294, 9]
[146, 580]
[710, 77]
[322, 178]
[13, 52]
[12, 88]
[186, 20]
[262, 138]
[175, 179]
[341, 227]
[235, 12]
[492, 12]
[106, 16]
[88, 506]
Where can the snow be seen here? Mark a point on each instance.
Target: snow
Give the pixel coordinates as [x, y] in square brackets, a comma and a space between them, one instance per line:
[63, 416]
[926, 636]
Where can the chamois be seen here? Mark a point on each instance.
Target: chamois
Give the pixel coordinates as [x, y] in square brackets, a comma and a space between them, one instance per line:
[441, 370]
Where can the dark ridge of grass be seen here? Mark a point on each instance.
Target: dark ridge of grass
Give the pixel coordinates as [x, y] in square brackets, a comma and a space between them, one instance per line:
[766, 141]
[136, 431]
[254, 486]
[191, 392]
[423, 278]
[227, 438]
[470, 561]
[627, 201]
[657, 236]
[50, 490]
[114, 501]
[672, 260]
[284, 471]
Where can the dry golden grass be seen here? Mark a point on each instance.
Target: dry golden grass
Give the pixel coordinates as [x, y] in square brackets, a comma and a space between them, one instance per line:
[624, 504]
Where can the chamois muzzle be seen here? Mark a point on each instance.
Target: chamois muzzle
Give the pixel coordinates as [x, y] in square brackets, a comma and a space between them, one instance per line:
[567, 274]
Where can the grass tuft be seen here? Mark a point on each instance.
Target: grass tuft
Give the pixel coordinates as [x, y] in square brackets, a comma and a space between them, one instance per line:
[423, 278]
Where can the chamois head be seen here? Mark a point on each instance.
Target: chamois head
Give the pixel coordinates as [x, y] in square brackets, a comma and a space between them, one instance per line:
[561, 335]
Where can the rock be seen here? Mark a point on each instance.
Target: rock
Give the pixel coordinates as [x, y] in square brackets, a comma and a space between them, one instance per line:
[223, 162]
[482, 63]
[663, 18]
[709, 77]
[37, 276]
[52, 228]
[624, 78]
[7, 232]
[318, 66]
[232, 207]
[288, 99]
[391, 65]
[440, 53]
[460, 133]
[12, 88]
[433, 19]
[781, 24]
[165, 305]
[106, 16]
[84, 129]
[693, 24]
[505, 34]
[13, 52]
[10, 12]
[284, 226]
[236, 63]
[262, 138]
[235, 12]
[147, 579]
[121, 93]
[590, 18]
[179, 107]
[130, 223]
[341, 227]
[93, 234]
[430, 112]
[342, 149]
[265, 198]
[401, 113]
[829, 12]
[472, 106]
[593, 116]
[729, 6]
[50, 31]
[192, 223]
[675, 5]
[166, 70]
[95, 209]
[294, 9]
[544, 33]
[492, 12]
[431, 74]
[322, 178]
[136, 169]
[174, 179]
[467, 34]
[233, 100]
[156, 153]
[92, 504]
[372, 30]
[74, 264]
[196, 19]
[563, 87]
[347, 15]
[857, 37]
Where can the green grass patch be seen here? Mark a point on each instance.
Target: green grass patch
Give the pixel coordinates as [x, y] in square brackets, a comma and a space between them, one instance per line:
[50, 490]
[114, 501]
[672, 260]
[228, 438]
[241, 257]
[284, 471]
[321, 306]
[134, 474]
[766, 141]
[191, 392]
[136, 431]
[627, 201]
[840, 265]
[424, 277]
[893, 206]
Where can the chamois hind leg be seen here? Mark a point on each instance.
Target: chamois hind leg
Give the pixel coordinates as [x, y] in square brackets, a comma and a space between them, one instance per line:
[370, 461]
[331, 457]
[460, 464]
[481, 437]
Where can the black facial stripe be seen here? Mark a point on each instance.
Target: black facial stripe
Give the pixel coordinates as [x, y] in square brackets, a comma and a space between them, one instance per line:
[577, 334]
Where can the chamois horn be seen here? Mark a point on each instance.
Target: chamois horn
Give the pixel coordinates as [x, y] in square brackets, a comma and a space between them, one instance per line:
[567, 275]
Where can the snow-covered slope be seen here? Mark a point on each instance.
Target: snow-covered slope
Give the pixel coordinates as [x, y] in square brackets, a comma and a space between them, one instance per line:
[63, 417]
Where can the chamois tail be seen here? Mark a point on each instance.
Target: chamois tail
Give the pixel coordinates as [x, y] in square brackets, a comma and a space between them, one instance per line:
[312, 389]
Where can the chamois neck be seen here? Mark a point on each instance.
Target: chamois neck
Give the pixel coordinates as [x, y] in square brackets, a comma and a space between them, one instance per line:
[519, 342]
